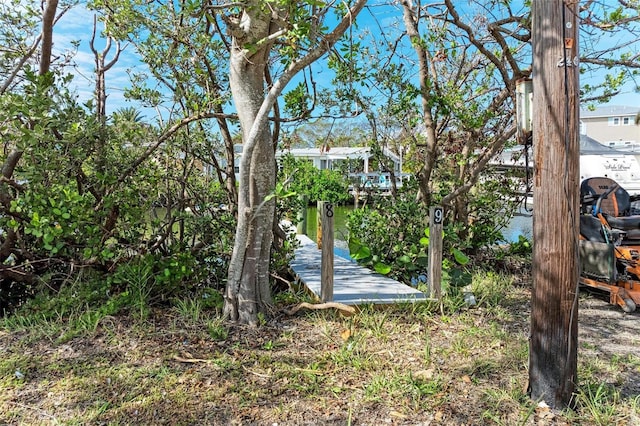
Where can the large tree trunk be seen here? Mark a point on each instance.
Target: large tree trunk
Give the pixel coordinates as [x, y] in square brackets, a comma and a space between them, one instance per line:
[247, 291]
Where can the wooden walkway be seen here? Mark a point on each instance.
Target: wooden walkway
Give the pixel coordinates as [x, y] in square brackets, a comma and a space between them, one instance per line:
[352, 283]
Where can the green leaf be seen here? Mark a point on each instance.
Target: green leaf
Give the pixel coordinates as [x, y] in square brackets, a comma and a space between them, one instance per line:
[460, 257]
[106, 253]
[363, 253]
[460, 278]
[382, 268]
[354, 245]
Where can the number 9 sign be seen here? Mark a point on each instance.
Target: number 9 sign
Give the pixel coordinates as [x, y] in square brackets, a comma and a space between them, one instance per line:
[437, 215]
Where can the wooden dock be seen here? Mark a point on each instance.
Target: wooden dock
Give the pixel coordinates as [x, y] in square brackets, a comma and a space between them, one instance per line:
[352, 283]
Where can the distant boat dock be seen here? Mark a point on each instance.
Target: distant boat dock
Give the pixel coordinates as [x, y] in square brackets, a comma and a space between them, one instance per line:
[352, 283]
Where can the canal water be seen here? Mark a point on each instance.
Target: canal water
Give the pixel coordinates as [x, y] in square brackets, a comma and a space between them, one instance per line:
[339, 222]
[521, 224]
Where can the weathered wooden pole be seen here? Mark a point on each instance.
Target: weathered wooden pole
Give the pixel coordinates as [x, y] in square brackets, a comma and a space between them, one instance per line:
[319, 209]
[326, 271]
[554, 309]
[436, 219]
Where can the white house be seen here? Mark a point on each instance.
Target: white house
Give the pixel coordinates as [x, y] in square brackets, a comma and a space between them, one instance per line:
[330, 157]
[612, 125]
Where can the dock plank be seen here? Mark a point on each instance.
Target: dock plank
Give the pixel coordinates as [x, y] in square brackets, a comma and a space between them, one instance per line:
[352, 283]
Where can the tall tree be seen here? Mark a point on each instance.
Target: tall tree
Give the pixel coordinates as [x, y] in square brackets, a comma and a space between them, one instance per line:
[13, 158]
[412, 15]
[459, 109]
[265, 45]
[468, 59]
[255, 30]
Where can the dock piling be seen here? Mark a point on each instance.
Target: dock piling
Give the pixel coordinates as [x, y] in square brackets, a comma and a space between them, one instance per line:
[436, 217]
[325, 210]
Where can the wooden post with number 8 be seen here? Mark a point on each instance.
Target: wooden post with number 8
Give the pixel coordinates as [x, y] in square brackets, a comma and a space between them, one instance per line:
[326, 271]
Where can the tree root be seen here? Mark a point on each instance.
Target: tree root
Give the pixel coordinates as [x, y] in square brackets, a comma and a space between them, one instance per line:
[342, 308]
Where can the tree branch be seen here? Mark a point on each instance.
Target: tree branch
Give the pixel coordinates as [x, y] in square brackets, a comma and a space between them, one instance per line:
[47, 35]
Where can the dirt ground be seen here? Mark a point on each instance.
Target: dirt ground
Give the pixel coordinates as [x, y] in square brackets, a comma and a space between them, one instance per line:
[606, 331]
[393, 367]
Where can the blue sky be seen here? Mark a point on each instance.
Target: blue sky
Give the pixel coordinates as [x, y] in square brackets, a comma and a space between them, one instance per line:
[627, 97]
[77, 25]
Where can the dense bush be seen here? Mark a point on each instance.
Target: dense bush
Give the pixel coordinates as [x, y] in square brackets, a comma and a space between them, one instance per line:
[392, 235]
[80, 193]
[388, 235]
[317, 185]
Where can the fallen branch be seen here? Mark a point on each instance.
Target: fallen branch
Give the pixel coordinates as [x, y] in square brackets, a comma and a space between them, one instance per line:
[188, 359]
[264, 376]
[344, 309]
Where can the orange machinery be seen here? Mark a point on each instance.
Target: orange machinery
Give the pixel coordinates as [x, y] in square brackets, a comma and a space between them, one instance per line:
[610, 242]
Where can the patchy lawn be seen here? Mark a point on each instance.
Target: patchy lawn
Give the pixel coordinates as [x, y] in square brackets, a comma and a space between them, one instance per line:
[400, 365]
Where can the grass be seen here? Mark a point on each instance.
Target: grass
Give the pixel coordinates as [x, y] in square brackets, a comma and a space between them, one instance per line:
[182, 364]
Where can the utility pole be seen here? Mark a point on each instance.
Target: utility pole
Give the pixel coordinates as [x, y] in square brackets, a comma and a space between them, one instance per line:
[554, 302]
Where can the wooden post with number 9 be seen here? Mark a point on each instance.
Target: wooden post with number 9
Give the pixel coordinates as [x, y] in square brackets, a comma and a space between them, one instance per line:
[436, 216]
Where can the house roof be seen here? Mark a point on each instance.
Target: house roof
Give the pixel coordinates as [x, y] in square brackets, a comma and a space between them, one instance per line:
[590, 146]
[331, 153]
[335, 153]
[610, 111]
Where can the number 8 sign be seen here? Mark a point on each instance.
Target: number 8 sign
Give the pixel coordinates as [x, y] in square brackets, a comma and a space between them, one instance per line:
[329, 208]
